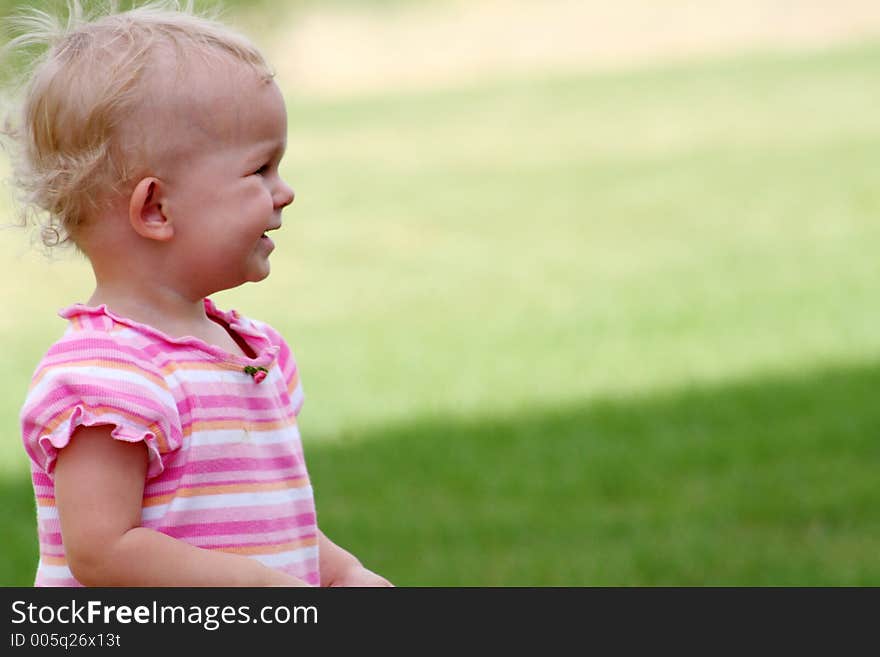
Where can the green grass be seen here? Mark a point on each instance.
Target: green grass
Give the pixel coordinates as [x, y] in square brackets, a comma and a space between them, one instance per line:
[761, 483]
[604, 329]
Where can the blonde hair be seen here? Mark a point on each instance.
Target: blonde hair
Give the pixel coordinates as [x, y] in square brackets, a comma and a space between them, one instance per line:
[66, 136]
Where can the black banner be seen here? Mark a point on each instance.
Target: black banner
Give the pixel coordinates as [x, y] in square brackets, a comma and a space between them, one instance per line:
[418, 619]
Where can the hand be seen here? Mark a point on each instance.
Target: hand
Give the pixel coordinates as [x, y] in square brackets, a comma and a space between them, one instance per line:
[360, 576]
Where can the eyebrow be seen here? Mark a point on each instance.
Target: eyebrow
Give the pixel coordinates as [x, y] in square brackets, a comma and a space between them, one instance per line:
[269, 148]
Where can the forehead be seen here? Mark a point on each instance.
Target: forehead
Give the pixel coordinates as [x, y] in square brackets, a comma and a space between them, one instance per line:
[188, 112]
[200, 107]
[230, 103]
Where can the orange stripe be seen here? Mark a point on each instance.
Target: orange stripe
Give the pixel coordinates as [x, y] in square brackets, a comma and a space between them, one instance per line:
[253, 427]
[161, 440]
[222, 489]
[109, 364]
[53, 561]
[45, 501]
[156, 500]
[172, 367]
[241, 488]
[215, 425]
[271, 549]
[294, 382]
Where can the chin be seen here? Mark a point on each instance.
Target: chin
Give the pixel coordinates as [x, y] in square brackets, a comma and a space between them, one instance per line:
[260, 276]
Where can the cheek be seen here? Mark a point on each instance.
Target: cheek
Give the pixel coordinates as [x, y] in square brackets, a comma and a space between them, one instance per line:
[268, 205]
[258, 201]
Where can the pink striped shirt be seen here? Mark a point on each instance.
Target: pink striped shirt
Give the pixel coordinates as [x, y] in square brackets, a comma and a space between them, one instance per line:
[226, 468]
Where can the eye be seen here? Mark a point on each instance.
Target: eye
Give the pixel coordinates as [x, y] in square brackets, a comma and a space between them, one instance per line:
[263, 169]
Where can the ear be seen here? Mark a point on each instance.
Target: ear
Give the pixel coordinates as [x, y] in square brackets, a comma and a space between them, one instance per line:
[145, 211]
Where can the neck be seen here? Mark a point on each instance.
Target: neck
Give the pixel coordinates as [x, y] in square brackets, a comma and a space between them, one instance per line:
[135, 279]
[149, 303]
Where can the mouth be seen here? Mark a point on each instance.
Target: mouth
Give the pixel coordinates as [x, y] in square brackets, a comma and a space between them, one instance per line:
[264, 236]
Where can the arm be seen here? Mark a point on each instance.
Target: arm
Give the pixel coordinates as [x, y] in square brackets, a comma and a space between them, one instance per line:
[99, 486]
[341, 568]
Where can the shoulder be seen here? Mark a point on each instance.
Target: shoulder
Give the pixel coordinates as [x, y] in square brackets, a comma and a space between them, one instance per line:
[94, 368]
[109, 348]
[254, 326]
[268, 330]
[96, 353]
[246, 324]
[95, 375]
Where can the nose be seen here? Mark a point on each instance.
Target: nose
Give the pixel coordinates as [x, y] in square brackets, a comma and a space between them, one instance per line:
[284, 195]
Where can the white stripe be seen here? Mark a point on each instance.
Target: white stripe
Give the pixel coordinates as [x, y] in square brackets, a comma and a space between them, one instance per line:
[107, 373]
[218, 376]
[182, 504]
[239, 539]
[91, 406]
[286, 558]
[263, 498]
[149, 513]
[93, 400]
[296, 399]
[293, 471]
[276, 411]
[59, 572]
[47, 513]
[227, 436]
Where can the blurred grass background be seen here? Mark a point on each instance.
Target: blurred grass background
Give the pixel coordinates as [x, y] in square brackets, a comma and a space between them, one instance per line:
[566, 327]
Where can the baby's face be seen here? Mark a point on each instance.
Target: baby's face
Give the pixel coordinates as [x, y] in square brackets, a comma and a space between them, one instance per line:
[225, 190]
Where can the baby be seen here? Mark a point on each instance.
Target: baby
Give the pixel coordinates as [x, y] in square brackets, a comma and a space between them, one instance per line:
[162, 430]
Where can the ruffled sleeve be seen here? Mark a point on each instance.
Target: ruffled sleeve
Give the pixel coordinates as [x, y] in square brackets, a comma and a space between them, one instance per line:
[90, 380]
